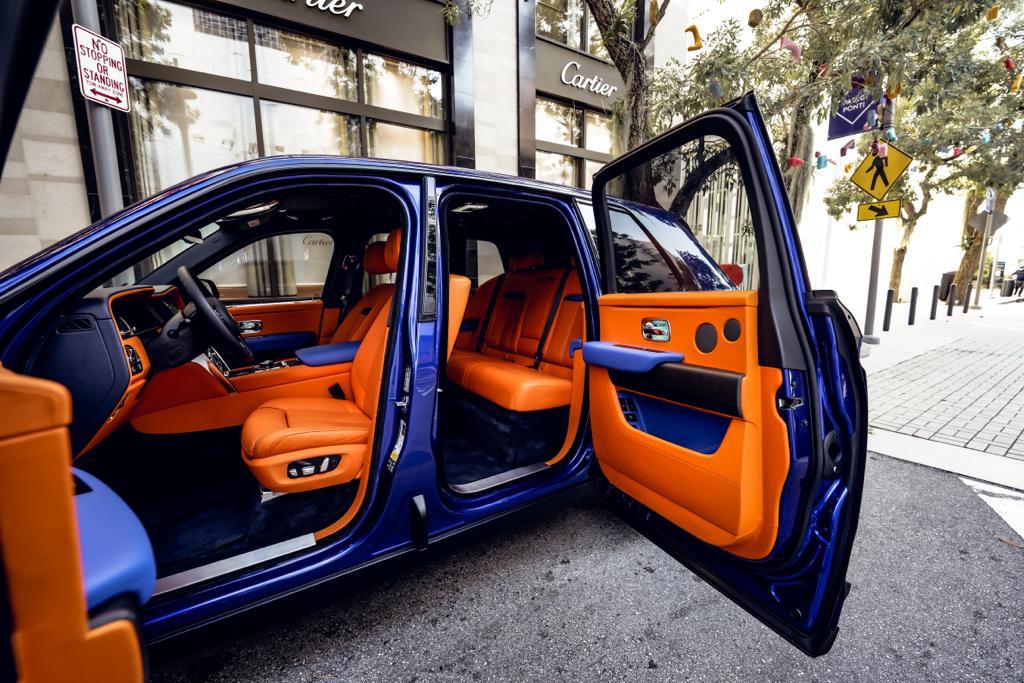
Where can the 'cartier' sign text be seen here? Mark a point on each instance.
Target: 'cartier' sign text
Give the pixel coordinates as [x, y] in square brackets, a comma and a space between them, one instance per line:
[343, 8]
[571, 76]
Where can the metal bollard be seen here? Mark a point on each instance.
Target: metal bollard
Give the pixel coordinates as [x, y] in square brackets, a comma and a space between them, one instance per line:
[935, 301]
[950, 298]
[913, 305]
[967, 299]
[888, 310]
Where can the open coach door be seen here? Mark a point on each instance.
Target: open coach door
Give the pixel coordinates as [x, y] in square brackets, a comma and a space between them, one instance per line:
[728, 401]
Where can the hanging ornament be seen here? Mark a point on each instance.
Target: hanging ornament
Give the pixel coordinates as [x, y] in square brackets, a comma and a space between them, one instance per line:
[794, 162]
[957, 152]
[794, 49]
[972, 148]
[846, 148]
[653, 11]
[871, 120]
[1015, 86]
[755, 18]
[879, 148]
[993, 13]
[697, 42]
[716, 89]
[890, 135]
[999, 127]
[894, 91]
[986, 137]
[847, 168]
[943, 150]
[1001, 42]
[1008, 63]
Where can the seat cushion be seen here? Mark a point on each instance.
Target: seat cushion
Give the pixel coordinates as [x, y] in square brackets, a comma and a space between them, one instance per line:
[509, 385]
[286, 425]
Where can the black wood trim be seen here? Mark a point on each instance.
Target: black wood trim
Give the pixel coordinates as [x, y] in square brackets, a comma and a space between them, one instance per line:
[719, 391]
[463, 94]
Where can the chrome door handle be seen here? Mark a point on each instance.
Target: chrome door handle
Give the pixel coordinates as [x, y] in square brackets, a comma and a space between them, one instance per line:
[656, 329]
[250, 326]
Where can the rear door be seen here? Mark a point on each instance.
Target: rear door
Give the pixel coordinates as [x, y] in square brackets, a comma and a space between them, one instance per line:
[728, 400]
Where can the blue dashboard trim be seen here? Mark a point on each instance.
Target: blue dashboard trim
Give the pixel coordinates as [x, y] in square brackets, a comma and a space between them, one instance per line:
[281, 341]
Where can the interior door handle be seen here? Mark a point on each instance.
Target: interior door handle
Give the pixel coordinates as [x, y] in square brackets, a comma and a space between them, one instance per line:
[250, 326]
[656, 329]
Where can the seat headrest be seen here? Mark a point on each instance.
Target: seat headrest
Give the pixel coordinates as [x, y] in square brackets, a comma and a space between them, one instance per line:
[373, 259]
[392, 250]
[532, 259]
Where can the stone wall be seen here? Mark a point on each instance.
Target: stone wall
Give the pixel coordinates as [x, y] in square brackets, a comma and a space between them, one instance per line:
[495, 82]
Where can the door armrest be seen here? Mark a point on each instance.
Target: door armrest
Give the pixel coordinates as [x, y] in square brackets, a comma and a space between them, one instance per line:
[328, 354]
[626, 358]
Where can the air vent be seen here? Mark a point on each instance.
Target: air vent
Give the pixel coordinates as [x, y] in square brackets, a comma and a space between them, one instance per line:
[80, 324]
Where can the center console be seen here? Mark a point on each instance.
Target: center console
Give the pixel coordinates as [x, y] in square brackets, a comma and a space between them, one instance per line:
[263, 366]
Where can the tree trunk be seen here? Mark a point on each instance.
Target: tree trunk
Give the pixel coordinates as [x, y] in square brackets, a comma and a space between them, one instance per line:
[899, 255]
[968, 269]
[800, 145]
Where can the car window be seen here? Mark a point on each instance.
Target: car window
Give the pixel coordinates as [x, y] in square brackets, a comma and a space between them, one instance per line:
[291, 266]
[689, 210]
[143, 268]
[484, 259]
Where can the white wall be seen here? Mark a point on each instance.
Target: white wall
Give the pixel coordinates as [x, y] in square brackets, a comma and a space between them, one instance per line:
[495, 82]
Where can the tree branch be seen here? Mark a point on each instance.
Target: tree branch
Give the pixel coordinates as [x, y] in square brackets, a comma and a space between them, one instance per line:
[654, 25]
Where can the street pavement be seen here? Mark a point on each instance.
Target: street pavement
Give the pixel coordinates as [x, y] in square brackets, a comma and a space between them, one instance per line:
[578, 595]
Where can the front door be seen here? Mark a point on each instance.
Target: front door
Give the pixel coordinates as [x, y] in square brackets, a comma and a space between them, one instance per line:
[728, 402]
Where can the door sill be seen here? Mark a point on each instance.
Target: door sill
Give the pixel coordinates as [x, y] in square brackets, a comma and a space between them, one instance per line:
[190, 577]
[507, 477]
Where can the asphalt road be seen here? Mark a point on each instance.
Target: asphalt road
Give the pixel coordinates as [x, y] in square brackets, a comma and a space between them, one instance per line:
[578, 595]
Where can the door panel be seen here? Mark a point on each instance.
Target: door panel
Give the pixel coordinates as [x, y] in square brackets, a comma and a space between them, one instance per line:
[742, 455]
[282, 326]
[712, 463]
[52, 636]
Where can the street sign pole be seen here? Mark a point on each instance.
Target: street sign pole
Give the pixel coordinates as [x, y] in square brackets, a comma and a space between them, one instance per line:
[869, 317]
[888, 118]
[990, 208]
[101, 128]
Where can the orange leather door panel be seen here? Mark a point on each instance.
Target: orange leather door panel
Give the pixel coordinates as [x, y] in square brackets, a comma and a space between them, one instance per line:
[729, 498]
[52, 640]
[281, 316]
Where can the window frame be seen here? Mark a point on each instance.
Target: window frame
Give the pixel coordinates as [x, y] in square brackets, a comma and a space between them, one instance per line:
[578, 152]
[583, 35]
[257, 91]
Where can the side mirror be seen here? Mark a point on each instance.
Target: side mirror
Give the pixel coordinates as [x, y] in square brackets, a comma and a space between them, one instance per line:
[733, 272]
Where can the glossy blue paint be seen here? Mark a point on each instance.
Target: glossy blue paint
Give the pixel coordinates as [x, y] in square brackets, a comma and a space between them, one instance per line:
[626, 358]
[687, 427]
[281, 341]
[328, 354]
[117, 558]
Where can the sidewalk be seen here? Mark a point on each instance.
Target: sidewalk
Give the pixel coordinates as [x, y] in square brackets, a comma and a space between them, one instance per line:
[949, 392]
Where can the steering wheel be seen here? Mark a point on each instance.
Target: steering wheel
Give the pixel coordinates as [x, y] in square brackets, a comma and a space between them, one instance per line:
[215, 315]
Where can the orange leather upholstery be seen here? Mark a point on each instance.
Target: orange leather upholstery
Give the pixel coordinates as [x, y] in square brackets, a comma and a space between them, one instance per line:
[285, 430]
[50, 638]
[502, 371]
[379, 258]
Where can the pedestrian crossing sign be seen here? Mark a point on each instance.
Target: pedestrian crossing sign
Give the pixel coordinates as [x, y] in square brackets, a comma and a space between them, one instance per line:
[876, 174]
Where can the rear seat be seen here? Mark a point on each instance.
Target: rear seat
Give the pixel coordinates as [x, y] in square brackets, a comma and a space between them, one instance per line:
[511, 313]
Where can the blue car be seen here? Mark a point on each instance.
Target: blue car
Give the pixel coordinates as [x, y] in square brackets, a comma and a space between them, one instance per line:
[295, 369]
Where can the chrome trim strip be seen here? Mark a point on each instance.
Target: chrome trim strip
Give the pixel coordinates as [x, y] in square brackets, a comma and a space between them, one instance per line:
[190, 577]
[499, 479]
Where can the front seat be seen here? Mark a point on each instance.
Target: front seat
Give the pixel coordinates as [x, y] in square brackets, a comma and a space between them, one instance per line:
[300, 444]
[379, 258]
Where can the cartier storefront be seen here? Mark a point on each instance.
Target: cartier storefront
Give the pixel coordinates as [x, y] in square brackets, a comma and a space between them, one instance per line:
[215, 83]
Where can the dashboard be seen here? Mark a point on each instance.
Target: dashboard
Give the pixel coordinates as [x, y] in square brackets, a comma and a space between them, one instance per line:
[98, 351]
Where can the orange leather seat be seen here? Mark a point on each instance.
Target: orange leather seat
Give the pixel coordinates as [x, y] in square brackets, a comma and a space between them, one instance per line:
[285, 430]
[378, 259]
[504, 367]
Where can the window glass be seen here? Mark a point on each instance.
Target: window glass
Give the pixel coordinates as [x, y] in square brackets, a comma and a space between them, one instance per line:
[595, 44]
[558, 123]
[406, 87]
[559, 20]
[292, 266]
[185, 37]
[589, 169]
[488, 260]
[388, 141]
[180, 131]
[556, 168]
[298, 62]
[696, 232]
[599, 132]
[290, 129]
[143, 268]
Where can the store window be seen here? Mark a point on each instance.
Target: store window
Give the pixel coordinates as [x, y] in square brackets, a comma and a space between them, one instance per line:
[292, 266]
[570, 23]
[572, 143]
[211, 89]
